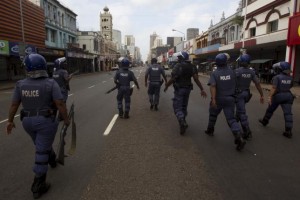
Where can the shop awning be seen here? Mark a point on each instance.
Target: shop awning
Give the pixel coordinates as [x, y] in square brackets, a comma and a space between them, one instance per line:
[260, 61]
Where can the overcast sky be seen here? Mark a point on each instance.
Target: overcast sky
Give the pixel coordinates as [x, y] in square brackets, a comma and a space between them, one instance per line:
[141, 18]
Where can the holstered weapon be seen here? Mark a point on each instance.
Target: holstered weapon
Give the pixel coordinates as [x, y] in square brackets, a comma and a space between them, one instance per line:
[61, 146]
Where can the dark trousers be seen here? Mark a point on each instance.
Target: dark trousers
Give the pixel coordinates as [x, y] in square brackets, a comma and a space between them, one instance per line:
[124, 93]
[154, 92]
[180, 102]
[285, 100]
[42, 131]
[227, 104]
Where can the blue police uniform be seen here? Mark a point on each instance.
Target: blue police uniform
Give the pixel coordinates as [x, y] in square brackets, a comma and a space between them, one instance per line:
[155, 71]
[223, 80]
[182, 74]
[123, 77]
[38, 116]
[244, 77]
[40, 97]
[283, 97]
[61, 76]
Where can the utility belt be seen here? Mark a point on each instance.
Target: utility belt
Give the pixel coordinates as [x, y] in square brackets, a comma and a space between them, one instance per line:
[177, 86]
[35, 113]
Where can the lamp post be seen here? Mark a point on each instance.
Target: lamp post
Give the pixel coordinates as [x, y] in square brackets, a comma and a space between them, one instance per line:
[180, 32]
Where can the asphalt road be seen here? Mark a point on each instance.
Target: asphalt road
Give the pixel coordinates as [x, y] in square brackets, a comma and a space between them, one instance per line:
[144, 157]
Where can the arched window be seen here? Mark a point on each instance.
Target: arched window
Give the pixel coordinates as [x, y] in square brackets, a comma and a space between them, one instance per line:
[232, 34]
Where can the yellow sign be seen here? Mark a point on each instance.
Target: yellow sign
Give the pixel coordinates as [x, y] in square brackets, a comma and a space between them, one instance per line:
[299, 30]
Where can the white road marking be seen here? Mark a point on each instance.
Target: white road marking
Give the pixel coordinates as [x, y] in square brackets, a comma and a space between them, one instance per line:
[111, 124]
[70, 95]
[91, 86]
[7, 119]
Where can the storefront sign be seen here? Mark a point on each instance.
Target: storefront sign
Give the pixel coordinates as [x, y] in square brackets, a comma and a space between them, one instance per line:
[294, 31]
[14, 49]
[51, 52]
[4, 47]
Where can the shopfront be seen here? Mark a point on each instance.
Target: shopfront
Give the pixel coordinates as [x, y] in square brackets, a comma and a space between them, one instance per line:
[293, 42]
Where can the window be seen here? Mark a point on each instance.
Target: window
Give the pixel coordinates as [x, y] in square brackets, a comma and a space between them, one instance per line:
[272, 26]
[252, 32]
[52, 35]
[84, 46]
[231, 33]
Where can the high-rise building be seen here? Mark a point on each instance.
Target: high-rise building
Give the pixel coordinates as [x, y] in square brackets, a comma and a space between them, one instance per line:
[106, 24]
[129, 40]
[192, 33]
[152, 39]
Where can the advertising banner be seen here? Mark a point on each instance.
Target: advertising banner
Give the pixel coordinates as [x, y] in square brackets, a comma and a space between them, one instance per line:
[294, 30]
[14, 49]
[4, 47]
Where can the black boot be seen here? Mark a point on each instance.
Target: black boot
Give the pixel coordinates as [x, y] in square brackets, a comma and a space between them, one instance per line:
[155, 107]
[264, 121]
[52, 159]
[151, 107]
[288, 133]
[247, 134]
[183, 126]
[239, 141]
[121, 113]
[210, 131]
[39, 186]
[126, 115]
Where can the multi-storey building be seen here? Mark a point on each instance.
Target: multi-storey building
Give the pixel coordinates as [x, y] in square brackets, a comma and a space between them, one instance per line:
[106, 25]
[90, 41]
[22, 31]
[192, 33]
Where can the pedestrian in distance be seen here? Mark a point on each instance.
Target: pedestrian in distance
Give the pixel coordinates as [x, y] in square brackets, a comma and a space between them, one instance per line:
[281, 94]
[222, 88]
[40, 97]
[61, 76]
[154, 74]
[244, 76]
[181, 76]
[122, 78]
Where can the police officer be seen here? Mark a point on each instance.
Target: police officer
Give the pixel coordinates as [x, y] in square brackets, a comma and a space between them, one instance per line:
[181, 76]
[244, 77]
[280, 94]
[40, 98]
[222, 88]
[62, 77]
[154, 73]
[212, 109]
[122, 78]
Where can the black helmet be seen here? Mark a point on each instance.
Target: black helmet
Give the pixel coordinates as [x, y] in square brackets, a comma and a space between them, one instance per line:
[153, 60]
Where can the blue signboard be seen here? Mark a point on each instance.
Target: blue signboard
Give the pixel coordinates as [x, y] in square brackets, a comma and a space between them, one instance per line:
[14, 49]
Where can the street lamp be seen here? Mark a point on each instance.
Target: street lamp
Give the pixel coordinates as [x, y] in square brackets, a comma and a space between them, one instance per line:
[180, 32]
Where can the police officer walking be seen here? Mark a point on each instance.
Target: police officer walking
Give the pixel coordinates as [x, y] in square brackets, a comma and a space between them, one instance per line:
[40, 97]
[244, 77]
[181, 76]
[154, 73]
[62, 77]
[122, 78]
[280, 94]
[222, 88]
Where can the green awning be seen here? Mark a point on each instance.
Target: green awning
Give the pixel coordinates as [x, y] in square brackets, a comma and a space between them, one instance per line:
[260, 61]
